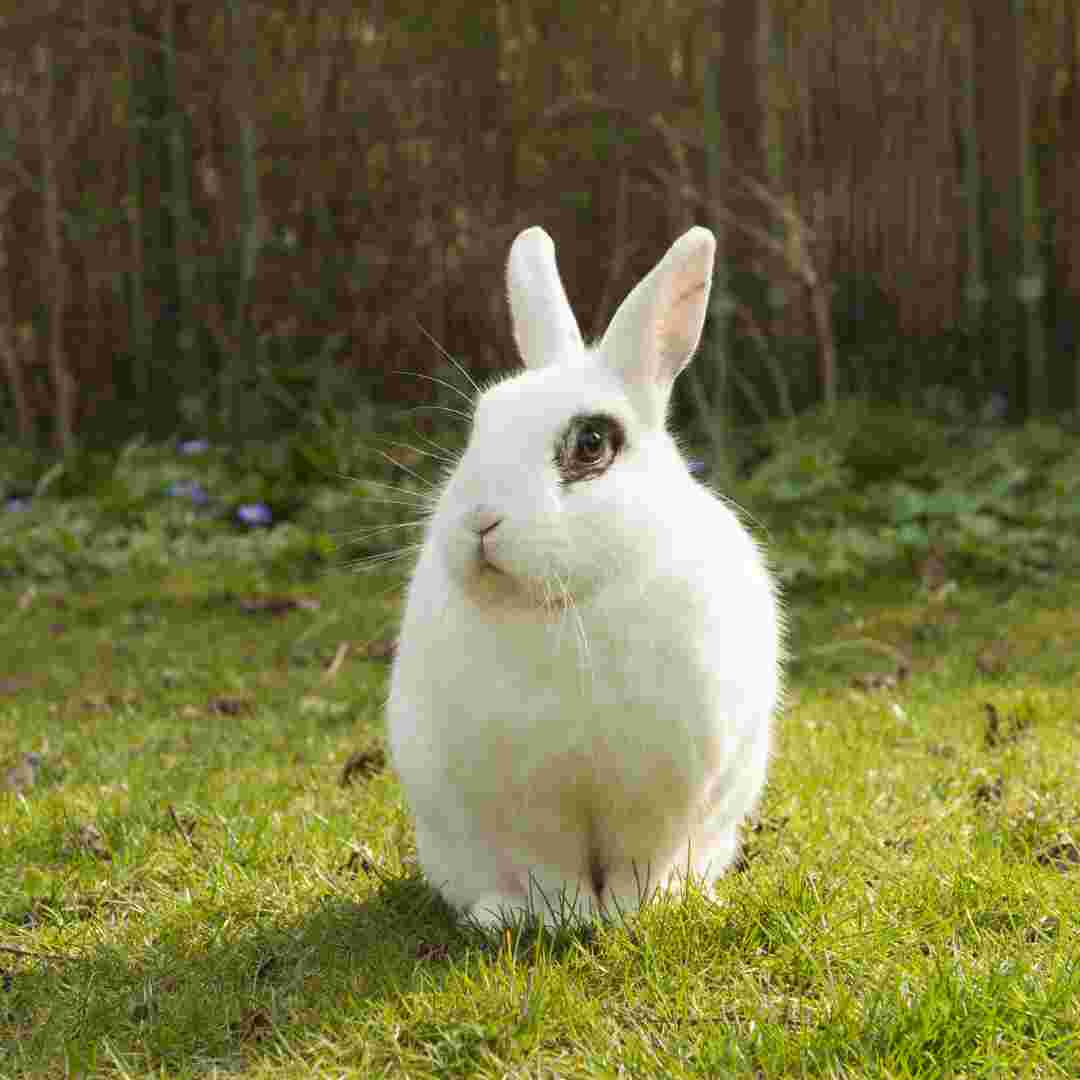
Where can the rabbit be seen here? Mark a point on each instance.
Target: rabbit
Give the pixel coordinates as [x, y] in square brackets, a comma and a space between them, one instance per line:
[590, 653]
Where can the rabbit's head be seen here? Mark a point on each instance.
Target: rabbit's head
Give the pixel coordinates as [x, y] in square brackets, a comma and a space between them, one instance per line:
[570, 479]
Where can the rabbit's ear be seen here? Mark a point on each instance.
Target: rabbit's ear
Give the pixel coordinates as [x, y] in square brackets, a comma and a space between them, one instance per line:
[654, 333]
[544, 326]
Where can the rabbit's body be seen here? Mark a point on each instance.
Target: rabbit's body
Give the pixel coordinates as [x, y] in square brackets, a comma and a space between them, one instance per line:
[588, 662]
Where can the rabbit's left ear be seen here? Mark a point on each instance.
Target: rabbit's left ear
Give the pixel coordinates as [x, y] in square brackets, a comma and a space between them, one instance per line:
[545, 329]
[658, 326]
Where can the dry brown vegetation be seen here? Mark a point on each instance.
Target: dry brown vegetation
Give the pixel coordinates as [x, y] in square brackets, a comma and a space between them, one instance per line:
[193, 194]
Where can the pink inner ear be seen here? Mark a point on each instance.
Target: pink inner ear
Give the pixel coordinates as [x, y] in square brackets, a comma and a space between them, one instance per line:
[681, 318]
[656, 329]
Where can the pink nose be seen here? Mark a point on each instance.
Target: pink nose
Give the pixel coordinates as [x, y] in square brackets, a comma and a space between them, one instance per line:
[482, 520]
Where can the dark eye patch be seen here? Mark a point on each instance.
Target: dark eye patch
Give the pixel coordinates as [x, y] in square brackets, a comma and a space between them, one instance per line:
[588, 447]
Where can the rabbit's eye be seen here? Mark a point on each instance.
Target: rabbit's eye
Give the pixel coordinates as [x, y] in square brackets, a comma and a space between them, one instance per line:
[590, 444]
[588, 447]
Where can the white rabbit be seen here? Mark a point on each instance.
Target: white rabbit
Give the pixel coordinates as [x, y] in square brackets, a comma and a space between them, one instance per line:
[589, 660]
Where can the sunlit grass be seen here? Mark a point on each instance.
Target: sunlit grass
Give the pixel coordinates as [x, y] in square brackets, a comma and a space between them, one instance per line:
[192, 886]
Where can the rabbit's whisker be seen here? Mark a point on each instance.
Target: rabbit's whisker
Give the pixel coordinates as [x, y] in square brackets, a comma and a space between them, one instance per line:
[364, 534]
[405, 468]
[452, 456]
[420, 496]
[468, 378]
[372, 562]
[444, 457]
[584, 653]
[743, 514]
[425, 508]
[441, 382]
[443, 408]
[569, 608]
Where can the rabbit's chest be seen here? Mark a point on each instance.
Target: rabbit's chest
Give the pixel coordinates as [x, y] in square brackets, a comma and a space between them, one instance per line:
[573, 731]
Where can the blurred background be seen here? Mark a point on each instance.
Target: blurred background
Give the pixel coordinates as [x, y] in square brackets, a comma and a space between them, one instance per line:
[216, 218]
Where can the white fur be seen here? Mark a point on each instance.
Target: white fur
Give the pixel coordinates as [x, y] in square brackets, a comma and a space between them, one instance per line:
[544, 326]
[594, 702]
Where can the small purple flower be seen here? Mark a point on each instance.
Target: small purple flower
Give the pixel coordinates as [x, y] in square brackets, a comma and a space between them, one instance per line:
[696, 466]
[254, 514]
[192, 447]
[188, 489]
[995, 408]
[17, 504]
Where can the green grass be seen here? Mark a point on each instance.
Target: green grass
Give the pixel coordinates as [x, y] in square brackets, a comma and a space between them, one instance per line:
[909, 905]
[189, 888]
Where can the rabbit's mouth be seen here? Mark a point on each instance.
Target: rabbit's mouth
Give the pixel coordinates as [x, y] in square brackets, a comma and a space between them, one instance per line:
[491, 586]
[491, 579]
[485, 565]
[489, 576]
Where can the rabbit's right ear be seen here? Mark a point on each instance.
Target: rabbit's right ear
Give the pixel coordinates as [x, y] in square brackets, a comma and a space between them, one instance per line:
[544, 326]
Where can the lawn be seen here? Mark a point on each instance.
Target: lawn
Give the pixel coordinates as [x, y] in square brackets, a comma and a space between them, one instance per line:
[211, 870]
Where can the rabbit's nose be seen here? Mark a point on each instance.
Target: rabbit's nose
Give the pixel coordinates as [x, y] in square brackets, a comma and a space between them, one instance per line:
[483, 520]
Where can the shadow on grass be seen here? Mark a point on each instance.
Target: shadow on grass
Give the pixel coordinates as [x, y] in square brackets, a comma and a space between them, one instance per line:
[233, 989]
[239, 987]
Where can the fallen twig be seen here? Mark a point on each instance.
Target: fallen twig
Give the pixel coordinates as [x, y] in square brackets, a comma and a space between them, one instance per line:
[30, 954]
[335, 665]
[183, 828]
